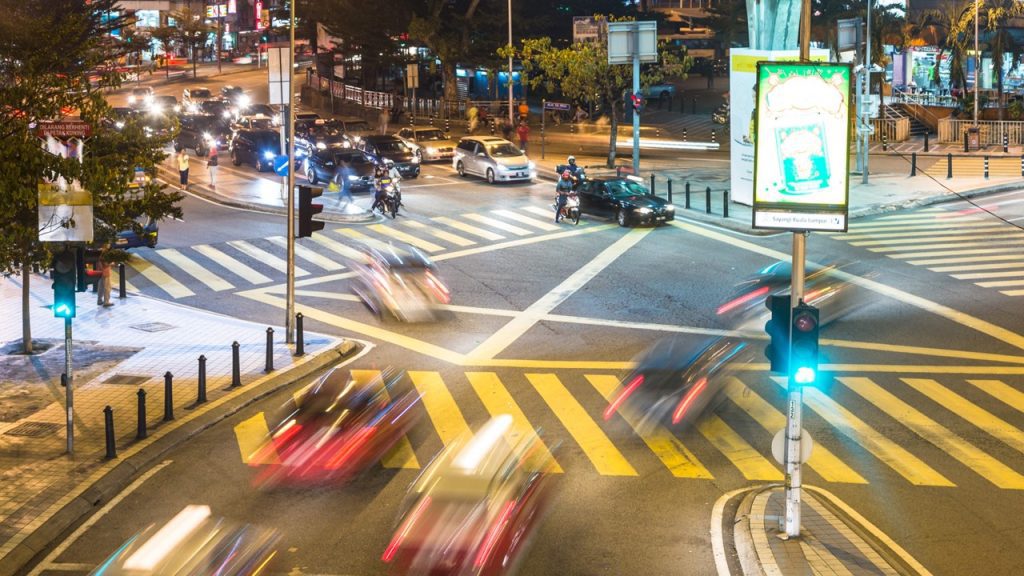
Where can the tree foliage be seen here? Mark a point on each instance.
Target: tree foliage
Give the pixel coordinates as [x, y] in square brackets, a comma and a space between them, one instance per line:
[191, 31]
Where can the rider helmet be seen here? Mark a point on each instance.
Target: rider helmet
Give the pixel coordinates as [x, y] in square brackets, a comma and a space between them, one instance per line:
[572, 160]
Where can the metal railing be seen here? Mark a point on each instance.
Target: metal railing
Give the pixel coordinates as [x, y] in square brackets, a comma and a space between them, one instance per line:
[990, 131]
[892, 129]
[915, 106]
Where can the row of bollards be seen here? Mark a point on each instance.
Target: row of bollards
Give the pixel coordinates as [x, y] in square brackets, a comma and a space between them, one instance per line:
[707, 195]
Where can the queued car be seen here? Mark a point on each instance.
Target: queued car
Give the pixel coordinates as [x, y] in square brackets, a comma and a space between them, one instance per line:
[141, 97]
[496, 159]
[322, 165]
[254, 123]
[320, 136]
[255, 146]
[236, 96]
[400, 282]
[218, 107]
[261, 110]
[165, 104]
[191, 98]
[625, 200]
[382, 148]
[355, 128]
[200, 132]
[430, 144]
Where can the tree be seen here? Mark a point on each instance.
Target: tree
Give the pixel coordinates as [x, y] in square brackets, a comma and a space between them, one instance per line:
[48, 50]
[582, 73]
[1001, 42]
[192, 31]
[165, 35]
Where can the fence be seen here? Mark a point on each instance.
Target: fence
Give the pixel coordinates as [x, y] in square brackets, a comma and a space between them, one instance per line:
[991, 131]
[894, 129]
[366, 98]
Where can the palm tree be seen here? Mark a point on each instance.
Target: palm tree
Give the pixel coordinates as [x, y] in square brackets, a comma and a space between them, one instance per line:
[951, 29]
[997, 16]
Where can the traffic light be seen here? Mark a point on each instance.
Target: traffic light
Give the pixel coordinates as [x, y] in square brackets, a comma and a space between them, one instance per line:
[777, 328]
[803, 359]
[307, 210]
[63, 273]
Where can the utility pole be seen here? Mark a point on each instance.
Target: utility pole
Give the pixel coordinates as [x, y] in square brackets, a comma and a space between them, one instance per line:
[290, 181]
[977, 62]
[866, 112]
[511, 114]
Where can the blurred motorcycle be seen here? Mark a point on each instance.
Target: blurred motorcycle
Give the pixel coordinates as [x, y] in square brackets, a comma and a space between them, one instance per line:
[401, 282]
[390, 201]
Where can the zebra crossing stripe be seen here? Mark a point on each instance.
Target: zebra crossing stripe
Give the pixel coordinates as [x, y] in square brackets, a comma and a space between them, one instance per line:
[190, 267]
[966, 259]
[158, 277]
[980, 275]
[468, 228]
[307, 254]
[547, 213]
[497, 224]
[925, 247]
[524, 219]
[407, 238]
[401, 454]
[743, 456]
[440, 406]
[953, 253]
[974, 459]
[265, 257]
[230, 264]
[1012, 292]
[343, 250]
[679, 460]
[443, 235]
[822, 461]
[941, 226]
[1001, 284]
[357, 235]
[918, 238]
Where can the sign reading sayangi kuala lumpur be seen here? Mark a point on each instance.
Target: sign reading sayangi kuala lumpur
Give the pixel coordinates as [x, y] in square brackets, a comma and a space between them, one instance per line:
[801, 146]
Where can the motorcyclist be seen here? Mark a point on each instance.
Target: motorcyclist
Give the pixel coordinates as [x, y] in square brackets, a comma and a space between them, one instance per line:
[379, 172]
[574, 168]
[563, 189]
[387, 170]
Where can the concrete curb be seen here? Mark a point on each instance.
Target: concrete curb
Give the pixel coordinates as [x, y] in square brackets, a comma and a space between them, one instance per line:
[746, 551]
[115, 479]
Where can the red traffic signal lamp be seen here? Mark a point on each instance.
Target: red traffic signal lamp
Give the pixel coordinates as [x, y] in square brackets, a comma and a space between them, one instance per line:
[307, 209]
[777, 329]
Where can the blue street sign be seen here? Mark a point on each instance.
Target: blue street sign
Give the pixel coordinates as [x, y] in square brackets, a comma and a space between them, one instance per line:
[281, 165]
[557, 106]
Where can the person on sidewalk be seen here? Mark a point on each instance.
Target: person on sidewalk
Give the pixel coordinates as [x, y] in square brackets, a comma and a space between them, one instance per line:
[383, 119]
[506, 129]
[103, 284]
[471, 117]
[211, 165]
[523, 131]
[524, 111]
[183, 168]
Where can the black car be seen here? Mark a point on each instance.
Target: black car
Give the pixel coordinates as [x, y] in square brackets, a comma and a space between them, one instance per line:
[217, 107]
[625, 200]
[321, 166]
[202, 131]
[256, 147]
[382, 148]
[260, 110]
[321, 136]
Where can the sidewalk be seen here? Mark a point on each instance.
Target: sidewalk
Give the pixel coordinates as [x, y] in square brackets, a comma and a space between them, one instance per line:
[834, 539]
[117, 352]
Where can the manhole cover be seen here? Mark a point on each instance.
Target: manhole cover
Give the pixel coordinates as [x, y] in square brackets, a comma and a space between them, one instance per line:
[126, 379]
[152, 327]
[35, 429]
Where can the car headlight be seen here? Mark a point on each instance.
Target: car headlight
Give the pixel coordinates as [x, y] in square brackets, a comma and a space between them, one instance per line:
[353, 178]
[431, 150]
[155, 109]
[531, 164]
[207, 136]
[415, 159]
[670, 208]
[321, 146]
[177, 108]
[131, 99]
[243, 100]
[643, 210]
[226, 113]
[119, 124]
[502, 168]
[268, 155]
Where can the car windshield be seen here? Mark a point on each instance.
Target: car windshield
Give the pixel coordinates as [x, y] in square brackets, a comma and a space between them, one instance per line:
[171, 100]
[202, 93]
[357, 127]
[140, 91]
[623, 188]
[263, 109]
[350, 157]
[391, 146]
[426, 135]
[261, 124]
[503, 150]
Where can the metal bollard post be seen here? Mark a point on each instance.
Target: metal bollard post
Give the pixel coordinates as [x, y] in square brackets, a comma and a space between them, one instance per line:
[140, 431]
[653, 193]
[432, 120]
[168, 397]
[120, 280]
[669, 190]
[913, 163]
[1006, 143]
[714, 137]
[236, 376]
[684, 134]
[986, 167]
[1022, 165]
[725, 203]
[492, 127]
[300, 341]
[949, 166]
[108, 427]
[965, 142]
[269, 367]
[201, 395]
[618, 171]
[687, 205]
[707, 200]
[447, 124]
[926, 141]
[885, 143]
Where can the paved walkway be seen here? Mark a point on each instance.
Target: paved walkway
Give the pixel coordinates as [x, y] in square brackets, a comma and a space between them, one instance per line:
[118, 351]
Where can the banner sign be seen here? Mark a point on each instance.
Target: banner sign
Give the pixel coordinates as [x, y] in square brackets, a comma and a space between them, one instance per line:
[801, 158]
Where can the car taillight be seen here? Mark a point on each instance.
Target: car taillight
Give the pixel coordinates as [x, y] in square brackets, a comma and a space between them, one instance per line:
[741, 300]
[404, 529]
[353, 448]
[439, 289]
[688, 399]
[493, 533]
[623, 394]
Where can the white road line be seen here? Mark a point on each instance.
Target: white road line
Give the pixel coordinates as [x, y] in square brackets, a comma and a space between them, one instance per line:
[549, 213]
[341, 248]
[161, 279]
[264, 257]
[524, 219]
[498, 224]
[214, 282]
[485, 234]
[407, 238]
[446, 236]
[103, 511]
[308, 255]
[232, 265]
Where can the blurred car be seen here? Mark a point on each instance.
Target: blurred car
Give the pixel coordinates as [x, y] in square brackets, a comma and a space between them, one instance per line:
[306, 116]
[322, 164]
[200, 132]
[145, 236]
[675, 380]
[236, 96]
[193, 542]
[476, 508]
[261, 110]
[721, 114]
[219, 107]
[382, 147]
[323, 134]
[191, 98]
[156, 123]
[257, 147]
[626, 200]
[164, 105]
[400, 282]
[117, 118]
[337, 428]
[258, 122]
[430, 144]
[140, 97]
[496, 159]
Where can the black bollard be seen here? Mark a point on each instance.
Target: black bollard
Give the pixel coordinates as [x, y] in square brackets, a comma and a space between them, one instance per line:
[687, 187]
[432, 120]
[986, 167]
[949, 166]
[270, 351]
[201, 395]
[926, 141]
[1006, 143]
[669, 190]
[707, 203]
[108, 427]
[714, 137]
[168, 397]
[1022, 165]
[653, 193]
[965, 142]
[684, 134]
[64, 377]
[885, 143]
[236, 375]
[140, 430]
[618, 171]
[725, 203]
[913, 163]
[300, 343]
[120, 280]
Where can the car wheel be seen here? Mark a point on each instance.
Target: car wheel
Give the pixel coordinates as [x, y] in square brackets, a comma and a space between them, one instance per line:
[490, 176]
[311, 176]
[622, 217]
[460, 169]
[235, 159]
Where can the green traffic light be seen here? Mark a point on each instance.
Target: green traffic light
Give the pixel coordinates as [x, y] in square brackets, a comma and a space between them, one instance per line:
[804, 375]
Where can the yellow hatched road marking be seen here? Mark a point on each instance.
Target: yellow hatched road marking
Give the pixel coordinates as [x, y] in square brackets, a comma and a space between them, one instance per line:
[265, 257]
[498, 224]
[743, 456]
[230, 264]
[823, 461]
[954, 253]
[680, 461]
[252, 434]
[440, 405]
[115, 280]
[980, 275]
[401, 454]
[605, 457]
[852, 238]
[339, 248]
[1002, 392]
[524, 219]
[497, 400]
[192, 268]
[446, 236]
[308, 255]
[468, 228]
[967, 259]
[984, 465]
[895, 456]
[904, 241]
[923, 247]
[969, 411]
[157, 276]
[407, 238]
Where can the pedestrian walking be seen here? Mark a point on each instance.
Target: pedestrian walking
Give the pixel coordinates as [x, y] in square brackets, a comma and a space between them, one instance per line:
[383, 119]
[183, 168]
[524, 111]
[103, 283]
[523, 131]
[340, 182]
[211, 165]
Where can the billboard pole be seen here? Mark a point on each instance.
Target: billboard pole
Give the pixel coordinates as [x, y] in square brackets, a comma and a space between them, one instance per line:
[289, 314]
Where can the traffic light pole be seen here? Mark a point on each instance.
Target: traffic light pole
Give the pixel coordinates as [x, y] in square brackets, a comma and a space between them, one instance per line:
[69, 394]
[289, 313]
[636, 113]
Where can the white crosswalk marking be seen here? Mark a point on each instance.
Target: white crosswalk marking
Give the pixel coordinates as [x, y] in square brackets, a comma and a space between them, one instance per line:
[468, 228]
[547, 213]
[344, 250]
[446, 236]
[524, 219]
[407, 238]
[161, 279]
[232, 265]
[307, 254]
[497, 224]
[264, 257]
[214, 282]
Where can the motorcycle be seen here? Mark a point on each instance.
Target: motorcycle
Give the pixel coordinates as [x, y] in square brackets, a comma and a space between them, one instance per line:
[390, 202]
[721, 116]
[571, 210]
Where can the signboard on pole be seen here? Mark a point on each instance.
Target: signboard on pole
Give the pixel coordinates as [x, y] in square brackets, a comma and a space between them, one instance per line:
[557, 106]
[63, 129]
[628, 38]
[279, 76]
[65, 214]
[412, 76]
[801, 159]
[587, 29]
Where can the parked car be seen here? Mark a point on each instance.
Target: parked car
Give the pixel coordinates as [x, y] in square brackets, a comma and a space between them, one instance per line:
[191, 98]
[384, 147]
[321, 165]
[200, 132]
[144, 234]
[496, 159]
[258, 147]
[429, 143]
[140, 97]
[624, 199]
[662, 92]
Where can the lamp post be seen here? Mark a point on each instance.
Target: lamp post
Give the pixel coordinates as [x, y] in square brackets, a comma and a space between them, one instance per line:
[511, 116]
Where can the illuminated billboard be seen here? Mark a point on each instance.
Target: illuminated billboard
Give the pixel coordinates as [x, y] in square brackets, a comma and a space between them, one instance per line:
[801, 148]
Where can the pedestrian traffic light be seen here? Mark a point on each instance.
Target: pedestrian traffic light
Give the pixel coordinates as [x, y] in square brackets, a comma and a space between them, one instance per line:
[803, 359]
[777, 329]
[307, 210]
[64, 284]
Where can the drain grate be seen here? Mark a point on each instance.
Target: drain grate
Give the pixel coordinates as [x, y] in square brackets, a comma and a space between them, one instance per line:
[35, 429]
[126, 379]
[152, 327]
